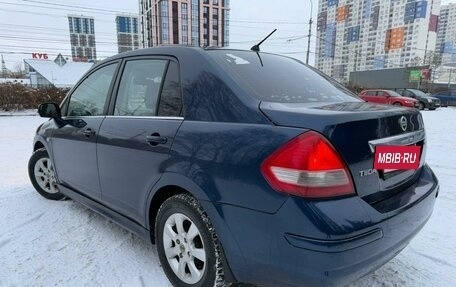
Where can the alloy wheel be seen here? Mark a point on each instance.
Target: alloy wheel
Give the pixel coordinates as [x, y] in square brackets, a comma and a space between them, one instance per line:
[44, 175]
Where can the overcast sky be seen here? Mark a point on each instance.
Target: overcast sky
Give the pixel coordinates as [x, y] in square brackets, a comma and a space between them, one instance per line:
[28, 26]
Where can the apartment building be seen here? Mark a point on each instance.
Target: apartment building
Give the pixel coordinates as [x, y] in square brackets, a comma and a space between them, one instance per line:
[82, 38]
[184, 22]
[374, 34]
[127, 32]
[446, 34]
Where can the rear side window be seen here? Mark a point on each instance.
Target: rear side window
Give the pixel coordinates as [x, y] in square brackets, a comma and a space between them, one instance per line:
[381, 94]
[140, 87]
[170, 104]
[89, 98]
[274, 78]
[408, 94]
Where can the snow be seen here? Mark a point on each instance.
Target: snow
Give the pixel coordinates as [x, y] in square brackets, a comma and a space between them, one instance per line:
[47, 243]
[19, 113]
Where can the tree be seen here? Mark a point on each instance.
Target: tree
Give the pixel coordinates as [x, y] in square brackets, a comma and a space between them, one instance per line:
[432, 59]
[417, 61]
[18, 71]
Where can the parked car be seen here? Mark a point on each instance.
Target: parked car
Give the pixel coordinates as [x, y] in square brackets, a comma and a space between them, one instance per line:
[447, 98]
[425, 101]
[388, 97]
[240, 166]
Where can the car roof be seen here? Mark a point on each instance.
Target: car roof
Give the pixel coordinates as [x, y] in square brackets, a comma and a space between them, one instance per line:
[177, 50]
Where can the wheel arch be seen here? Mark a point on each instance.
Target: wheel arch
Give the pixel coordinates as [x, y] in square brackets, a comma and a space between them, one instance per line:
[160, 196]
[38, 144]
[166, 191]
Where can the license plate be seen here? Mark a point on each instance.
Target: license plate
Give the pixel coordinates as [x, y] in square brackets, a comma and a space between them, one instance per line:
[391, 158]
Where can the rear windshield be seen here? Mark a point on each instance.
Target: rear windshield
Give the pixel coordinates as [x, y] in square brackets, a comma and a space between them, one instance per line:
[274, 78]
[419, 93]
[393, 94]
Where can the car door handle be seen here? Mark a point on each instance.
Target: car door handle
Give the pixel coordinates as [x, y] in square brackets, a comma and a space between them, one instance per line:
[156, 139]
[88, 132]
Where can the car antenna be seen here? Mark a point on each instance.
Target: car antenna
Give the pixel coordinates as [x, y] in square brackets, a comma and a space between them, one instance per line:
[256, 48]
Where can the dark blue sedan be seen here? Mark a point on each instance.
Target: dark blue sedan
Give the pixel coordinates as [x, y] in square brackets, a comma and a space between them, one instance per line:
[240, 166]
[447, 98]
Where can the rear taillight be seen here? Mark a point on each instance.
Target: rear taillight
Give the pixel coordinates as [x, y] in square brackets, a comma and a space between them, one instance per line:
[308, 166]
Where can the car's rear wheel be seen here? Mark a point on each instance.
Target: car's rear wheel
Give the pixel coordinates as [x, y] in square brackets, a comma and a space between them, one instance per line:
[42, 176]
[187, 244]
[420, 106]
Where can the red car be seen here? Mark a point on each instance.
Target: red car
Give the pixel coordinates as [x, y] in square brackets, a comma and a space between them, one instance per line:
[388, 97]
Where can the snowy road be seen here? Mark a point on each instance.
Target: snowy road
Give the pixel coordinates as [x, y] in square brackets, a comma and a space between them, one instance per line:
[45, 243]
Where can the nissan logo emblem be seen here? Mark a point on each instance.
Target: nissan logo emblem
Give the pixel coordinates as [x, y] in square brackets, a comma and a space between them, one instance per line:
[403, 123]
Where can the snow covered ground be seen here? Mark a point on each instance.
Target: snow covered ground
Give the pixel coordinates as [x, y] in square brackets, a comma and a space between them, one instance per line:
[46, 243]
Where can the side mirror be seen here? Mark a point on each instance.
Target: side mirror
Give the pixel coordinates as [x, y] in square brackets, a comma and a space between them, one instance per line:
[49, 110]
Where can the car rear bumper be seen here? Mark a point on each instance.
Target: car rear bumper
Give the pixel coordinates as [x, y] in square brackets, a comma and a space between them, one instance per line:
[433, 105]
[323, 243]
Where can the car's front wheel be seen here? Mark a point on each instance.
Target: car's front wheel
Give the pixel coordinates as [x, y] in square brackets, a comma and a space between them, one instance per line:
[42, 176]
[187, 244]
[420, 106]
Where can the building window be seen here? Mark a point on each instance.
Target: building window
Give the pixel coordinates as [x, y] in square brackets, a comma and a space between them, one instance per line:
[164, 18]
[226, 26]
[175, 23]
[70, 21]
[184, 17]
[195, 23]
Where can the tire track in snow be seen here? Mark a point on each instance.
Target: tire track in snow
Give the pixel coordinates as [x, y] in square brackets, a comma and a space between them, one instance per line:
[432, 258]
[25, 223]
[4, 242]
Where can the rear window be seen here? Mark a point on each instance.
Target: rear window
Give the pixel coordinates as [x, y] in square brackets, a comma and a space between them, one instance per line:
[394, 94]
[419, 93]
[274, 78]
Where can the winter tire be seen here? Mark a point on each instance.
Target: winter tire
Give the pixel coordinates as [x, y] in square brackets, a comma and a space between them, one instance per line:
[42, 176]
[420, 106]
[187, 244]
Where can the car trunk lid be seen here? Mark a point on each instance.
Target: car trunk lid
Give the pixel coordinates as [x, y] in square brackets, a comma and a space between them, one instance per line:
[354, 129]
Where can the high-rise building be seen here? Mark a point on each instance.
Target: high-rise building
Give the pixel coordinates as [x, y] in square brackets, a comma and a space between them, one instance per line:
[446, 34]
[82, 38]
[127, 33]
[364, 35]
[184, 22]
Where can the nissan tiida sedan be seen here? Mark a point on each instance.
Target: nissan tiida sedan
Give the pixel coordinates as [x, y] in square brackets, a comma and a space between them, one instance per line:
[240, 166]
